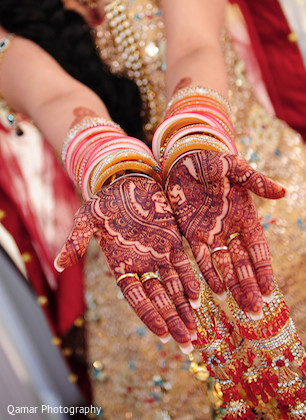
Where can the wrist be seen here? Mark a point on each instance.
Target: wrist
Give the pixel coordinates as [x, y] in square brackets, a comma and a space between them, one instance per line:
[96, 150]
[196, 118]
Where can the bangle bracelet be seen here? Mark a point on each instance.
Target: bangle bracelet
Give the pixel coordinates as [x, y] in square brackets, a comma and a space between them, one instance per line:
[203, 129]
[170, 126]
[123, 166]
[202, 91]
[117, 157]
[87, 122]
[212, 112]
[192, 143]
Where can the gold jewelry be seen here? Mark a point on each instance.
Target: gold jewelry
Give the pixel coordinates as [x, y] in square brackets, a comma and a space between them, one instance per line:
[232, 236]
[219, 248]
[148, 276]
[123, 276]
[124, 166]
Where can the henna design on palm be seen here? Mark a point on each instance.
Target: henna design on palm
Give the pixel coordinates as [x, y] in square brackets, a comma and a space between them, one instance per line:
[134, 224]
[210, 195]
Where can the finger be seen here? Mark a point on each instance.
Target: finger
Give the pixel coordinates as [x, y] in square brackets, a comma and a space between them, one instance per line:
[252, 298]
[175, 290]
[241, 173]
[158, 296]
[203, 258]
[257, 246]
[224, 267]
[77, 242]
[190, 283]
[134, 293]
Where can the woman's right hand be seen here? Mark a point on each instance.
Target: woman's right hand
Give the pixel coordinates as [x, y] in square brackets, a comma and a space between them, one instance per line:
[134, 224]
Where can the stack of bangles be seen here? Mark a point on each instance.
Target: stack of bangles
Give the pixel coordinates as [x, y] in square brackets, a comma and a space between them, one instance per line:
[196, 118]
[97, 150]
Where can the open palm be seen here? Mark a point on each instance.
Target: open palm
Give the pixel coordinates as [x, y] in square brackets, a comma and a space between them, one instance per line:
[210, 195]
[135, 227]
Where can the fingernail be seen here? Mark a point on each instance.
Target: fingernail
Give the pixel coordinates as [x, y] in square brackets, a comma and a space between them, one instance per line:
[186, 348]
[57, 267]
[195, 304]
[193, 335]
[268, 298]
[255, 316]
[221, 296]
[165, 338]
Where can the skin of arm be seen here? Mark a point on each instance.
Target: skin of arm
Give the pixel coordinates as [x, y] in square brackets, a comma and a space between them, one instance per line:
[33, 83]
[193, 44]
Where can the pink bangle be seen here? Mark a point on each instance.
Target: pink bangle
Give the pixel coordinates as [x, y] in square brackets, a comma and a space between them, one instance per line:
[86, 123]
[175, 122]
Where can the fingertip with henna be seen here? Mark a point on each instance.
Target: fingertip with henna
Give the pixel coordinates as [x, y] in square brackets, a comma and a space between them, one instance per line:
[58, 267]
[282, 191]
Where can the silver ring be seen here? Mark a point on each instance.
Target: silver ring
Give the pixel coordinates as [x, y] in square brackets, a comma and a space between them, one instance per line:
[218, 248]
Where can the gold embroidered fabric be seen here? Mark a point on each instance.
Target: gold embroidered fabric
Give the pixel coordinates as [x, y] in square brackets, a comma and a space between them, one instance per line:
[133, 374]
[131, 42]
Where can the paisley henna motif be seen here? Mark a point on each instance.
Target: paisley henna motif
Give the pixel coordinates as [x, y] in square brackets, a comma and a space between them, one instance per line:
[210, 195]
[134, 224]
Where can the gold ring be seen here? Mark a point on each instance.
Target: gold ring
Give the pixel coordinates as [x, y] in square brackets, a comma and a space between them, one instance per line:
[123, 276]
[218, 248]
[232, 236]
[149, 275]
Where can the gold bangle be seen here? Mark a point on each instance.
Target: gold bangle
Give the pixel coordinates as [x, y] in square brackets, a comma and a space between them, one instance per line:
[191, 143]
[118, 157]
[180, 124]
[123, 276]
[124, 166]
[197, 90]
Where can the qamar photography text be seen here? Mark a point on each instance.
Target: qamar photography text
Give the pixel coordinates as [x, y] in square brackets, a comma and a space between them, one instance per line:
[15, 410]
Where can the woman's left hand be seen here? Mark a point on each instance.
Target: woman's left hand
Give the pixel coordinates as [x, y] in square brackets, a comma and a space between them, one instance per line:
[210, 195]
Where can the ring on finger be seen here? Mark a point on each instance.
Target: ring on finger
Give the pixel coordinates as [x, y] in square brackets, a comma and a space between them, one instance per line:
[149, 275]
[123, 276]
[218, 248]
[232, 236]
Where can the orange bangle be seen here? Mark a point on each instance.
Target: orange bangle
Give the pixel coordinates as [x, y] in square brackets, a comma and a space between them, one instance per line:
[191, 143]
[199, 91]
[195, 106]
[117, 157]
[195, 101]
[124, 166]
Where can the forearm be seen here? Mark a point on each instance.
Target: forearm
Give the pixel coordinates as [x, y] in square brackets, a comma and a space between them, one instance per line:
[33, 83]
[56, 116]
[194, 52]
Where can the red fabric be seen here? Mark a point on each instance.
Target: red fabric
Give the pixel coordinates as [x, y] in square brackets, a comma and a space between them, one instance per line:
[280, 60]
[67, 303]
[66, 291]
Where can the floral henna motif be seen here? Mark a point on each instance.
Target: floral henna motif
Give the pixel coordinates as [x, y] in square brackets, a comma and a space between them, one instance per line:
[134, 224]
[157, 295]
[81, 112]
[209, 194]
[135, 295]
